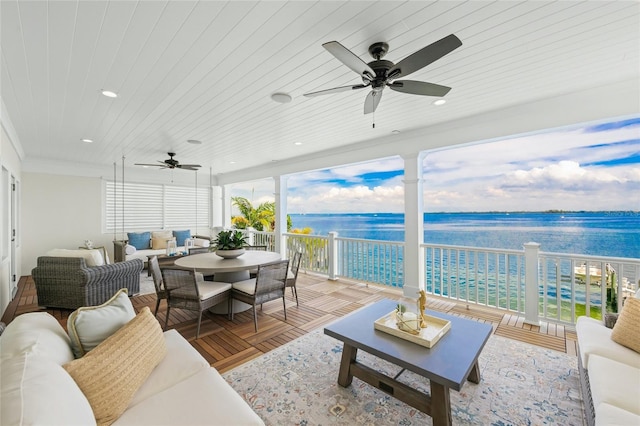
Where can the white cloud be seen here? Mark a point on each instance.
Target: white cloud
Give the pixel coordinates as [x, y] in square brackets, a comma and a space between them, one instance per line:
[360, 199]
[562, 175]
[568, 169]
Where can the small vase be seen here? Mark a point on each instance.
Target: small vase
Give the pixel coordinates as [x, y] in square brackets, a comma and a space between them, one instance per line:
[230, 254]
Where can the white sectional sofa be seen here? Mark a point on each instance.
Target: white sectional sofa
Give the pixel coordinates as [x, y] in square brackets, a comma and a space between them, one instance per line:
[610, 376]
[181, 390]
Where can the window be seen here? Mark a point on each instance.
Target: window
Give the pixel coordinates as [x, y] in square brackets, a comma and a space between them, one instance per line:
[138, 206]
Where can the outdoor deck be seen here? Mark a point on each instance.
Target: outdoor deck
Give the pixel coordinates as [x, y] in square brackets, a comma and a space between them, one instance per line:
[226, 344]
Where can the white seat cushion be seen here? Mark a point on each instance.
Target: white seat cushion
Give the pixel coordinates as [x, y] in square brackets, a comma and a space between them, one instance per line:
[607, 414]
[209, 289]
[246, 286]
[181, 362]
[91, 257]
[614, 383]
[290, 275]
[201, 399]
[595, 338]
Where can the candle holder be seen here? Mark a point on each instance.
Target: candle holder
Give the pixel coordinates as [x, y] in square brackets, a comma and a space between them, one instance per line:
[172, 249]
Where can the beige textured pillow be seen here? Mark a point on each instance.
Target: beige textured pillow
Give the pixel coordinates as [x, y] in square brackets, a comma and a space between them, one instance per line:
[627, 329]
[111, 374]
[160, 243]
[167, 235]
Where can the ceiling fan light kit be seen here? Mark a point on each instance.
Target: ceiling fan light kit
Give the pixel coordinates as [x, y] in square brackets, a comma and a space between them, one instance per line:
[380, 73]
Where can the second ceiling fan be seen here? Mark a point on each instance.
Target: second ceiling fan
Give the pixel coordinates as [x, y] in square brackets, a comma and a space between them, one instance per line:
[171, 163]
[381, 73]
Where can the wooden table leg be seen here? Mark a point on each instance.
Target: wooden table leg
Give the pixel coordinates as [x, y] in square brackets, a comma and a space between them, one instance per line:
[348, 356]
[474, 375]
[440, 405]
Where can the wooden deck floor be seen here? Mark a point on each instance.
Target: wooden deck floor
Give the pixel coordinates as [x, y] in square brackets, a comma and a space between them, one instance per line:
[226, 344]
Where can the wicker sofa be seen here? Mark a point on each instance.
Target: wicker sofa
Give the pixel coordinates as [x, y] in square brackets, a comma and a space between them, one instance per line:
[67, 282]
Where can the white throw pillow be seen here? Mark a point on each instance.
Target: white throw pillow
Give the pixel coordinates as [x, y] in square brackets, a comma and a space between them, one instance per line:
[89, 326]
[34, 390]
[91, 257]
[201, 242]
[129, 249]
[36, 333]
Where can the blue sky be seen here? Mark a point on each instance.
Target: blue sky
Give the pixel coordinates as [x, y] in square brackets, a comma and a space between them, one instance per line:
[588, 167]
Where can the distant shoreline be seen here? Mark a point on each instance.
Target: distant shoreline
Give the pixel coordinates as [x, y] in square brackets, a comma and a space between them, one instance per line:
[604, 212]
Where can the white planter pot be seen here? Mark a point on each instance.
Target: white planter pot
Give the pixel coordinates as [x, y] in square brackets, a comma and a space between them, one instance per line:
[230, 254]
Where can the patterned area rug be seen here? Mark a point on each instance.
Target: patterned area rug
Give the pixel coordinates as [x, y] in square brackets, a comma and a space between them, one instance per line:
[521, 385]
[146, 284]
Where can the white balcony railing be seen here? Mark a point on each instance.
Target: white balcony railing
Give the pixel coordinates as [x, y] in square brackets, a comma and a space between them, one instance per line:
[555, 287]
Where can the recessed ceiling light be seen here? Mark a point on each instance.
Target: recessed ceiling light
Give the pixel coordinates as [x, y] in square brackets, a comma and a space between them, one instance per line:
[439, 102]
[109, 94]
[87, 140]
[194, 141]
[281, 98]
[297, 143]
[232, 162]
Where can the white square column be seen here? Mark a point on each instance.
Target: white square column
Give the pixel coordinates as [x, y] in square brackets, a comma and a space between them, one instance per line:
[280, 194]
[413, 226]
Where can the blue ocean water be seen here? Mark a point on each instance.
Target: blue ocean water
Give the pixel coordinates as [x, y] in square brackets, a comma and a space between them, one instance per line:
[613, 234]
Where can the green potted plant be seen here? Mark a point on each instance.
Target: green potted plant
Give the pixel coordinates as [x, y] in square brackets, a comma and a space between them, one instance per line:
[230, 244]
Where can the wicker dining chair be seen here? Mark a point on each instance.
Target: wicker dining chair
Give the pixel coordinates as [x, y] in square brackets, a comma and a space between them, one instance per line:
[254, 272]
[198, 250]
[292, 274]
[185, 291]
[161, 292]
[268, 285]
[262, 248]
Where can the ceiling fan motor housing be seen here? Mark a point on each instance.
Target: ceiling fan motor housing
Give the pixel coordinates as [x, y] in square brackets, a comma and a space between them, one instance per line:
[171, 162]
[381, 67]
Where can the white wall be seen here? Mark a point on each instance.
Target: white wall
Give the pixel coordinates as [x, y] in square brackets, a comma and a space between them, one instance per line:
[60, 212]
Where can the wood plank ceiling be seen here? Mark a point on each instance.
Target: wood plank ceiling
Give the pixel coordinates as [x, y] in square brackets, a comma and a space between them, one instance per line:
[205, 70]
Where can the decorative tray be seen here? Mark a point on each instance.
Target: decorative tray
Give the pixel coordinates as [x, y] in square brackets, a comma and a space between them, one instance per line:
[428, 337]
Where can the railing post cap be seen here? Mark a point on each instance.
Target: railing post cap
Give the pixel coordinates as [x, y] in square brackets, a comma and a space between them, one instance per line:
[531, 244]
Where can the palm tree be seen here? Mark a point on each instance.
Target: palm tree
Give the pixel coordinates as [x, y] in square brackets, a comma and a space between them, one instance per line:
[259, 218]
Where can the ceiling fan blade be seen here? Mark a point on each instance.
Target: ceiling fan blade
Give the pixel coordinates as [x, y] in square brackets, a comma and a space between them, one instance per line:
[335, 90]
[152, 165]
[372, 101]
[184, 166]
[424, 56]
[419, 88]
[350, 59]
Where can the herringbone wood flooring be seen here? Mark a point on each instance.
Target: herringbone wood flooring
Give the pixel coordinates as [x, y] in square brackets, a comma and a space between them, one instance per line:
[226, 344]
